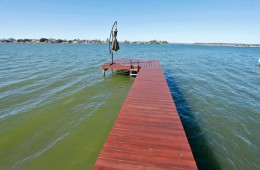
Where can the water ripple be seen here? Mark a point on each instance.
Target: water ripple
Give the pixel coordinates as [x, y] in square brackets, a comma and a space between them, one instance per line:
[41, 151]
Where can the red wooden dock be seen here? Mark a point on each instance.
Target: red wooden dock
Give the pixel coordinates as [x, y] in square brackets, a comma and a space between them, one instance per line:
[148, 133]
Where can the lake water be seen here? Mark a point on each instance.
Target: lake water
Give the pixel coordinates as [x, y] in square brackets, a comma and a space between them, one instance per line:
[56, 108]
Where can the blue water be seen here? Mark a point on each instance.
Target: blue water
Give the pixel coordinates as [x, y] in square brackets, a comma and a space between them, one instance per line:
[54, 101]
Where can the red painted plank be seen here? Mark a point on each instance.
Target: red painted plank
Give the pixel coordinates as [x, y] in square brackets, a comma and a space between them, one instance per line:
[177, 162]
[103, 163]
[148, 149]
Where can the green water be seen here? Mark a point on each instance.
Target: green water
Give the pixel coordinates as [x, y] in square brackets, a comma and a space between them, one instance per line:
[55, 114]
[56, 109]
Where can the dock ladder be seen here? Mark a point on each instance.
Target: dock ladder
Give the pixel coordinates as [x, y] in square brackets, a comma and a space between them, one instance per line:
[134, 71]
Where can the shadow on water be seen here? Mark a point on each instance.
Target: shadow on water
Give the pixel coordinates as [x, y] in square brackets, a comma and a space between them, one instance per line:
[203, 155]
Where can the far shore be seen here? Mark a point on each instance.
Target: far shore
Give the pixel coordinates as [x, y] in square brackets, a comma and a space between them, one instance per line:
[98, 41]
[74, 41]
[228, 44]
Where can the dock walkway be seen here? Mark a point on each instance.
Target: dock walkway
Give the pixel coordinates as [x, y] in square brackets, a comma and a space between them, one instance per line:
[148, 133]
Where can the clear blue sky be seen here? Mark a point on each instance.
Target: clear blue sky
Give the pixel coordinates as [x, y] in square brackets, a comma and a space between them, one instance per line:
[184, 21]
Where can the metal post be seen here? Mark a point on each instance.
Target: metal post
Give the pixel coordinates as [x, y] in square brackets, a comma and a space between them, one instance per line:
[138, 66]
[112, 59]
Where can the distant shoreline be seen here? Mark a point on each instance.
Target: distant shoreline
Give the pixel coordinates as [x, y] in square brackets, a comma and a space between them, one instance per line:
[227, 44]
[74, 41]
[97, 41]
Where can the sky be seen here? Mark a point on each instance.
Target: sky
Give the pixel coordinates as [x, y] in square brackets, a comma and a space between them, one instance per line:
[177, 21]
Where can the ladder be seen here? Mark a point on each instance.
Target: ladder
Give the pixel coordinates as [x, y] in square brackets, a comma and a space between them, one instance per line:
[133, 72]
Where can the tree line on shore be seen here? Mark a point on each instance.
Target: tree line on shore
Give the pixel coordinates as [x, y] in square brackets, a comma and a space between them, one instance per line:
[50, 41]
[74, 41]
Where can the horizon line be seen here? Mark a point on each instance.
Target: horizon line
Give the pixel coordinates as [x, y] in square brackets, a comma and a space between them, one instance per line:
[138, 41]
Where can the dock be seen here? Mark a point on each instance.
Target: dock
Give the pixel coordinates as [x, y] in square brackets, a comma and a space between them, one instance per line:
[131, 65]
[148, 133]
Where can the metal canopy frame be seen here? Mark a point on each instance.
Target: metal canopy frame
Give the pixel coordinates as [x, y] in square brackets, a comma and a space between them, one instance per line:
[114, 28]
